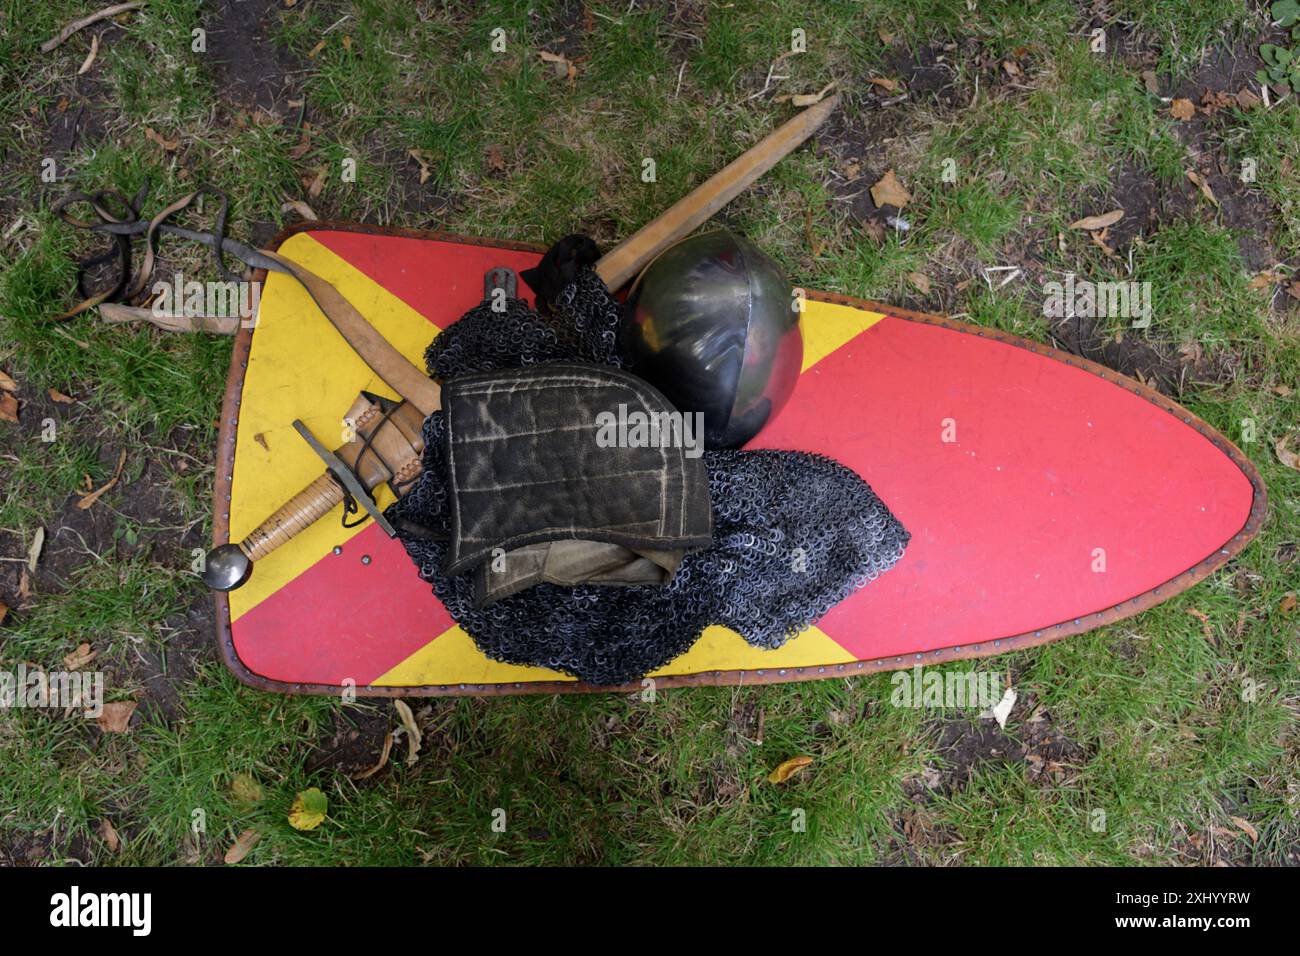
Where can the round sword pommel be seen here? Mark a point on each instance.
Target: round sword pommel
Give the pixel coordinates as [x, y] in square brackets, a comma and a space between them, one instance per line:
[226, 568]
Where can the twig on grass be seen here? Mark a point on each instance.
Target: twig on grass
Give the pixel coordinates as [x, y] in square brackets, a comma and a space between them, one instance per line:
[84, 22]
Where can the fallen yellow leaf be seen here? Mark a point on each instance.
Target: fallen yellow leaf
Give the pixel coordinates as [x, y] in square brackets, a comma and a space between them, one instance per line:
[788, 769]
[413, 734]
[308, 810]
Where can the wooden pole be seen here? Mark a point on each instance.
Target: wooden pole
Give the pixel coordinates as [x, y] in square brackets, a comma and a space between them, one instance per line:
[627, 259]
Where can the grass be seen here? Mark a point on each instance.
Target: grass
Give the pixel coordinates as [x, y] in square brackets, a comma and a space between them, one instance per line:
[1181, 719]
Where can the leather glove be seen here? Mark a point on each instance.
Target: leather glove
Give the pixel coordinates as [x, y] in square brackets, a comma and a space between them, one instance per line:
[560, 266]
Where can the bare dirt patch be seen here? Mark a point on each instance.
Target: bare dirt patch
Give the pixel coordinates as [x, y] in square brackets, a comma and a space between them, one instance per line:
[1034, 741]
[251, 69]
[1242, 206]
[354, 740]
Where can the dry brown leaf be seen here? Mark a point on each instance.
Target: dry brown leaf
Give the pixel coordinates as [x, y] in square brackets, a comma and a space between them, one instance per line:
[1190, 351]
[57, 396]
[1246, 99]
[1288, 602]
[1150, 81]
[889, 86]
[1094, 223]
[1212, 102]
[90, 497]
[312, 53]
[421, 157]
[8, 408]
[788, 769]
[496, 160]
[1204, 618]
[347, 42]
[116, 716]
[1285, 455]
[1245, 827]
[1013, 69]
[168, 144]
[921, 281]
[889, 191]
[413, 734]
[564, 67]
[1182, 109]
[303, 146]
[876, 230]
[24, 584]
[885, 36]
[381, 763]
[79, 658]
[4, 611]
[811, 99]
[1293, 289]
[1199, 181]
[242, 846]
[108, 833]
[7, 383]
[90, 57]
[1263, 280]
[1098, 239]
[34, 552]
[314, 184]
[300, 207]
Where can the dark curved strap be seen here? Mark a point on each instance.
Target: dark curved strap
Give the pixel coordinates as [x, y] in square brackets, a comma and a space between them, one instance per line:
[124, 224]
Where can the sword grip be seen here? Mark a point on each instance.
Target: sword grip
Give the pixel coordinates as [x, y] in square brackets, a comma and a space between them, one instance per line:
[306, 507]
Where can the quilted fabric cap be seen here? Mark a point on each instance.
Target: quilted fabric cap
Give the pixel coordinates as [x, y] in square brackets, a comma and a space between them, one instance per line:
[572, 474]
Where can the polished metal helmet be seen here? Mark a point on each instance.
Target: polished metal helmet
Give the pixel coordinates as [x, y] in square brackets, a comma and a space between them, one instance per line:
[711, 323]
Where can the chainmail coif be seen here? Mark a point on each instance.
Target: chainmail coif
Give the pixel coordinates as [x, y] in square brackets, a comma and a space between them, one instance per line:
[794, 532]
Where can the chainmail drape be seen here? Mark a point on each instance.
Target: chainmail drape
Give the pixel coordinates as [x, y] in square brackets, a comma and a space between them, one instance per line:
[794, 533]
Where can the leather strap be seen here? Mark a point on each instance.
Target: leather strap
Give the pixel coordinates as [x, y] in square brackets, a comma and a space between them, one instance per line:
[376, 351]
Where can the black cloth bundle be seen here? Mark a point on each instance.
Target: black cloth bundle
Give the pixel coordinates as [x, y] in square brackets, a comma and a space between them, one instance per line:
[793, 532]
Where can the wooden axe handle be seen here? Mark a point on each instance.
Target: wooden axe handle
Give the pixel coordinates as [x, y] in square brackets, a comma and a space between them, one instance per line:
[630, 256]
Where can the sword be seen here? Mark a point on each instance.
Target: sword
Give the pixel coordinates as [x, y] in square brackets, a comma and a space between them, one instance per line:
[228, 565]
